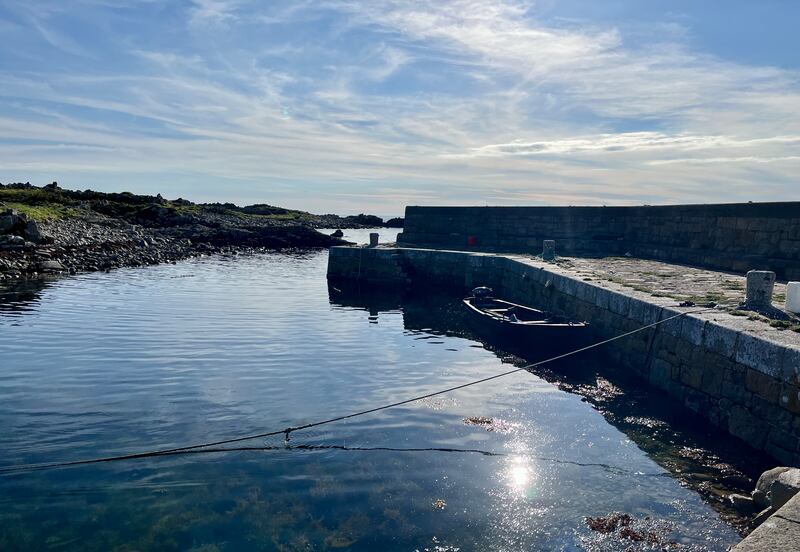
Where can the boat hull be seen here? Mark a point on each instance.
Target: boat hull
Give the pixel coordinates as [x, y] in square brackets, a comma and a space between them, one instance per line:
[538, 333]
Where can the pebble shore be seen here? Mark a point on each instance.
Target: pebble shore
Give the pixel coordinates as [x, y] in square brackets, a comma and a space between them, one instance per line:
[94, 242]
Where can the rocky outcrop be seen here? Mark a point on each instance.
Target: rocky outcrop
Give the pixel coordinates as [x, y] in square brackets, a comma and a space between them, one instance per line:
[94, 231]
[17, 231]
[761, 494]
[774, 488]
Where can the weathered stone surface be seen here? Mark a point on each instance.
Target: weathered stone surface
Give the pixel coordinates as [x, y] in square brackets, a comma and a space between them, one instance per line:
[713, 375]
[761, 492]
[692, 329]
[730, 237]
[50, 266]
[719, 339]
[742, 503]
[784, 488]
[774, 535]
[7, 222]
[790, 398]
[747, 427]
[763, 385]
[791, 510]
[764, 356]
[760, 285]
[790, 370]
[31, 232]
[618, 303]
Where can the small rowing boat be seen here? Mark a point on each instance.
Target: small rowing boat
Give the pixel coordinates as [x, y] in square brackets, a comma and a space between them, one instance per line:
[523, 326]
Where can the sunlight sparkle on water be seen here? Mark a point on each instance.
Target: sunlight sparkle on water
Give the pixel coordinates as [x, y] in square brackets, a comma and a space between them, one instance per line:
[521, 477]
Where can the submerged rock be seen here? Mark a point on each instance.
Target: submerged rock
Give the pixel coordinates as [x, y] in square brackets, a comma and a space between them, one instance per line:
[623, 529]
[742, 503]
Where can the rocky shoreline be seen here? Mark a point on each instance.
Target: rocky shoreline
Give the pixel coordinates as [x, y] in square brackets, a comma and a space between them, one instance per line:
[45, 231]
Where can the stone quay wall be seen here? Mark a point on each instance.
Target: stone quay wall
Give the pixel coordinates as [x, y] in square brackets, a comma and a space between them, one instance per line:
[735, 373]
[734, 237]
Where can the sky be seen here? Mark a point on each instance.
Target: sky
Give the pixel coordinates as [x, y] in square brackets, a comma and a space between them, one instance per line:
[344, 106]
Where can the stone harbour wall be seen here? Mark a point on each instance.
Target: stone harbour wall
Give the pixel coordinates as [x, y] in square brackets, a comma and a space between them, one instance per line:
[735, 237]
[738, 374]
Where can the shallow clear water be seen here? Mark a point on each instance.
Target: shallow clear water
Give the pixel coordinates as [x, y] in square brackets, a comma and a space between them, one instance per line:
[104, 364]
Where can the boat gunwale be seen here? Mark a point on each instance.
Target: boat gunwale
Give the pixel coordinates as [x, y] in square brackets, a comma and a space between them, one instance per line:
[546, 322]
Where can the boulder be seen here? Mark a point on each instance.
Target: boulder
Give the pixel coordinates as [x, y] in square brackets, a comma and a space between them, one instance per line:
[12, 242]
[337, 234]
[742, 503]
[761, 493]
[50, 266]
[7, 222]
[11, 221]
[784, 488]
[31, 232]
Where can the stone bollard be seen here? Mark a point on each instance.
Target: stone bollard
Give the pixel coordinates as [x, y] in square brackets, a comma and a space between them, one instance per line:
[760, 284]
[549, 250]
[793, 297]
[373, 239]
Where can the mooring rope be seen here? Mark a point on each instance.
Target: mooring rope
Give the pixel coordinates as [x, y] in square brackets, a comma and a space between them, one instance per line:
[286, 432]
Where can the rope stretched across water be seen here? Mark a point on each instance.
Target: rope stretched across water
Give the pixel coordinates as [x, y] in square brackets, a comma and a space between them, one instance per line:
[286, 432]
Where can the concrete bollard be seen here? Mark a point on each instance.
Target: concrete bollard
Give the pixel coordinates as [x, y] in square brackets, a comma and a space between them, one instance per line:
[793, 297]
[373, 239]
[760, 284]
[549, 250]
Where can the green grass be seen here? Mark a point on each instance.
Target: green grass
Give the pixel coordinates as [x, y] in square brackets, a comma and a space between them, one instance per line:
[38, 204]
[732, 285]
[44, 211]
[785, 325]
[199, 208]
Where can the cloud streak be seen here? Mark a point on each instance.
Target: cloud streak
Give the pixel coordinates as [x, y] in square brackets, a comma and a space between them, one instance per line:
[317, 104]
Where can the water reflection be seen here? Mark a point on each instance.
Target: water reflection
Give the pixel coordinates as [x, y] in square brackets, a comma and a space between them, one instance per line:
[21, 296]
[216, 347]
[694, 452]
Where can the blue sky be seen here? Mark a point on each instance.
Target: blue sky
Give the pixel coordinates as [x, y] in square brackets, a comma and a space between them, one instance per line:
[345, 106]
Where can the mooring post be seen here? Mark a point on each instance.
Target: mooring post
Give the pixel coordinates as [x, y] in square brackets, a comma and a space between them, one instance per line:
[549, 250]
[793, 297]
[373, 239]
[760, 284]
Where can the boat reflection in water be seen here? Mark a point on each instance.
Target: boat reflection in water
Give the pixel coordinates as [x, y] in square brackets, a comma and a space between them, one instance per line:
[522, 326]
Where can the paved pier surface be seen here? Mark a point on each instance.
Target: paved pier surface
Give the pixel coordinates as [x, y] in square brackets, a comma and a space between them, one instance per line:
[738, 372]
[683, 283]
[779, 533]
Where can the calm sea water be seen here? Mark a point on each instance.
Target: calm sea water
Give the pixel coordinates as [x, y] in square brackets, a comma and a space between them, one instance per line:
[105, 364]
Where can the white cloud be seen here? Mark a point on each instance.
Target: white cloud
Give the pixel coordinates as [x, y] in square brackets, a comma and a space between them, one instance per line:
[213, 12]
[625, 142]
[503, 109]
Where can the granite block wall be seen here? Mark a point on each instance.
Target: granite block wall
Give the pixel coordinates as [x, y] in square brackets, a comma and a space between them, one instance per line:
[734, 237]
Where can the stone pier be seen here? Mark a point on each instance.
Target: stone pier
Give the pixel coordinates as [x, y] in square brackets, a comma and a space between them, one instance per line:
[738, 372]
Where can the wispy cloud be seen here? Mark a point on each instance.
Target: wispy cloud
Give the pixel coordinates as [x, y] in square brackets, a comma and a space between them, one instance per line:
[625, 142]
[394, 102]
[213, 12]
